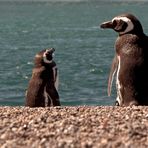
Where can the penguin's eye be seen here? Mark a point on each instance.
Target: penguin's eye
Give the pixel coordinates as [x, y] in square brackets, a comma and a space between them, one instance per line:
[120, 22]
[114, 23]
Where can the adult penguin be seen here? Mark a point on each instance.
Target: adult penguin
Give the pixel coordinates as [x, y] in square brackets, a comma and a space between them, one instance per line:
[130, 62]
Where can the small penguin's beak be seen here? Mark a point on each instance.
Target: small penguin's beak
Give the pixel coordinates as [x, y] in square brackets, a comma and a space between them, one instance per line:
[106, 25]
[50, 50]
[53, 49]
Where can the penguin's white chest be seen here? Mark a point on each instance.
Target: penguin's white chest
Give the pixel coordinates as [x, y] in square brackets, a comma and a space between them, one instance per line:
[118, 83]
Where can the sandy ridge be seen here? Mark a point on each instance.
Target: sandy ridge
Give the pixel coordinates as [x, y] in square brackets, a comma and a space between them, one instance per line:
[74, 127]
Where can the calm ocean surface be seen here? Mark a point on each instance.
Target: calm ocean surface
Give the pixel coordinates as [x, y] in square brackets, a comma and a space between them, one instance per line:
[83, 51]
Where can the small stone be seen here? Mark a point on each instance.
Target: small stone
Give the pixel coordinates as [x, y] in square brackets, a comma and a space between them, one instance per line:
[103, 141]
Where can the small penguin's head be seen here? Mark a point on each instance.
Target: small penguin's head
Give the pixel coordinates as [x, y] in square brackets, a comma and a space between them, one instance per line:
[123, 24]
[48, 55]
[44, 57]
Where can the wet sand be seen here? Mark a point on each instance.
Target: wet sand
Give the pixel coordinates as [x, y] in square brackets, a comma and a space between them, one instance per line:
[74, 127]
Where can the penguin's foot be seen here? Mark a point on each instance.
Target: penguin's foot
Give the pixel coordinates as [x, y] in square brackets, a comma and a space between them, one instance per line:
[116, 103]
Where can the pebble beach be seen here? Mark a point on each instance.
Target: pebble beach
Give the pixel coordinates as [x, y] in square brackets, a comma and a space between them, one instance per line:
[74, 127]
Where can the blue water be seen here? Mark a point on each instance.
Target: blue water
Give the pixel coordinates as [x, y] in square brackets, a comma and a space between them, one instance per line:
[83, 51]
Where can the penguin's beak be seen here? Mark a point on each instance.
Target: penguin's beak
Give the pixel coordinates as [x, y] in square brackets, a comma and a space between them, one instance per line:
[50, 50]
[108, 24]
[53, 50]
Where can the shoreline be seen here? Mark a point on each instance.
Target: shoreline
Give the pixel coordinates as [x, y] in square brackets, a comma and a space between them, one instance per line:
[79, 126]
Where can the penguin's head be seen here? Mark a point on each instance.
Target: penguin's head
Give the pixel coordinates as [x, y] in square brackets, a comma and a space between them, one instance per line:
[124, 24]
[47, 55]
[44, 57]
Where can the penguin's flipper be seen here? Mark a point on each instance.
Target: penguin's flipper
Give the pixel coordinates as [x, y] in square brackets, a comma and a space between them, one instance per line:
[56, 77]
[112, 73]
[52, 96]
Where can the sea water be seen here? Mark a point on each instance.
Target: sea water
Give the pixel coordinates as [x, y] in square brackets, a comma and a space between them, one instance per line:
[83, 53]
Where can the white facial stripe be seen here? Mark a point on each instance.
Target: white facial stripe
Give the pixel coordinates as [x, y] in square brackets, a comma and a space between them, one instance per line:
[119, 96]
[130, 25]
[45, 58]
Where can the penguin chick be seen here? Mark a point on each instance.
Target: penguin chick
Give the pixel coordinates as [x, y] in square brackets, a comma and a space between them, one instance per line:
[42, 89]
[130, 63]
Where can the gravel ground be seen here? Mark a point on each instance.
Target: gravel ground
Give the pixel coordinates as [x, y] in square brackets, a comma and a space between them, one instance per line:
[74, 127]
